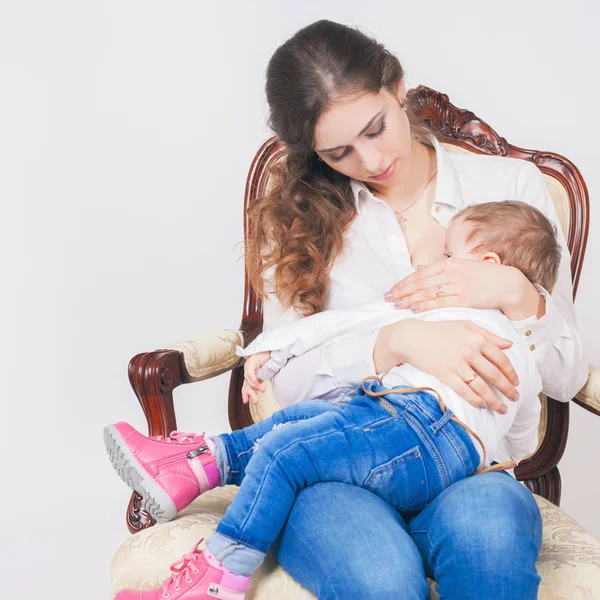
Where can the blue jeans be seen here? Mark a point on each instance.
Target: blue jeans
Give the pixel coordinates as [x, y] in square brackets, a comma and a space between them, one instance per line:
[459, 548]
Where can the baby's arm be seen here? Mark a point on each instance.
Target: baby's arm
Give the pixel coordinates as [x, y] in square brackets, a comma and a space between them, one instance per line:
[520, 424]
[522, 436]
[298, 337]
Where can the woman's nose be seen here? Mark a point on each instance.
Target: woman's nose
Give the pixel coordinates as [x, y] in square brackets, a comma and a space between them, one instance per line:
[372, 163]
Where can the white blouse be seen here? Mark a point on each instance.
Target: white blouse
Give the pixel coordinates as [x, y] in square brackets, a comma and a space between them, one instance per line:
[376, 257]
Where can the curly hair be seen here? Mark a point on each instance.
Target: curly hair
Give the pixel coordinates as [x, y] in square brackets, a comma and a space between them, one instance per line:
[297, 227]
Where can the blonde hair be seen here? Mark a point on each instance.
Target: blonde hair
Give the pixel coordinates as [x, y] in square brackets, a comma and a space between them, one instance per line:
[519, 234]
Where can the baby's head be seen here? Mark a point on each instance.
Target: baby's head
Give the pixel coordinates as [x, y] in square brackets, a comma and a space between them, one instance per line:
[511, 233]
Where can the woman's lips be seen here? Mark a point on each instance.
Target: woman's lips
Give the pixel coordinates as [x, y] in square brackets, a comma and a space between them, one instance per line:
[387, 173]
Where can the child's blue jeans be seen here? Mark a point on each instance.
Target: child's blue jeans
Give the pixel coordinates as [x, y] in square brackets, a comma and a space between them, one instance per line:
[407, 458]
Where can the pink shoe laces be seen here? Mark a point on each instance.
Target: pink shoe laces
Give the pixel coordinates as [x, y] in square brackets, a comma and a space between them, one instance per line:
[182, 568]
[181, 437]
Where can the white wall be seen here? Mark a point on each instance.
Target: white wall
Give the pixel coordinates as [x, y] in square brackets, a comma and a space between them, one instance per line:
[126, 132]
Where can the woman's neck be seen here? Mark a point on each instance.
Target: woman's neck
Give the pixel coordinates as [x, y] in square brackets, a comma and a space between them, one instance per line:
[416, 172]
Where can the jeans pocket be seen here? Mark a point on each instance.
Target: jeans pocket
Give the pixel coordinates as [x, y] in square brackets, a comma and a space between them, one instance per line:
[401, 481]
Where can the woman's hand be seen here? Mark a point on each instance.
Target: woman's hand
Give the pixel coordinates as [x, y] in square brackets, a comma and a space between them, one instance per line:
[251, 382]
[452, 351]
[467, 283]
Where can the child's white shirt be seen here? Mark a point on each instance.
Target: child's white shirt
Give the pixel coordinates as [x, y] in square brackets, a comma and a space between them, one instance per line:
[518, 427]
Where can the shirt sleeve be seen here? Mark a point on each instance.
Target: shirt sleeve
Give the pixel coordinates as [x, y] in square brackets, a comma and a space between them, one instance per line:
[553, 339]
[303, 377]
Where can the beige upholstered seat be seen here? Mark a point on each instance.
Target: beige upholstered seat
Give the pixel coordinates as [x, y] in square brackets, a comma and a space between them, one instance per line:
[569, 562]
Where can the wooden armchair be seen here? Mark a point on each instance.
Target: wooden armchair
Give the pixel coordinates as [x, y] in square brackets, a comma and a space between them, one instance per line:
[569, 562]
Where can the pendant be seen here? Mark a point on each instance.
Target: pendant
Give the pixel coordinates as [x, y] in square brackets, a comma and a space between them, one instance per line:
[402, 220]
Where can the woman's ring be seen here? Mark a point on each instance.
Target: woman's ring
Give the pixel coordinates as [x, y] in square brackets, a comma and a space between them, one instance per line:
[468, 381]
[439, 290]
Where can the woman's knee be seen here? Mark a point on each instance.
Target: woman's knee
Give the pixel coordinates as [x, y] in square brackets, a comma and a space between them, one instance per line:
[480, 539]
[488, 522]
[495, 510]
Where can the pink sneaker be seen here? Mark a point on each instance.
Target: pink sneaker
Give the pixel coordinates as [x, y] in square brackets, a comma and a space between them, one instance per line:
[198, 575]
[167, 472]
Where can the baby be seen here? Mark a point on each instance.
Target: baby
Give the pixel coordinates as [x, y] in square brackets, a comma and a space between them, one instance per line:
[405, 437]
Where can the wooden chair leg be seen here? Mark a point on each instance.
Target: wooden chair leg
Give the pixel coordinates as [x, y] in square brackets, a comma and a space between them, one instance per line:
[137, 518]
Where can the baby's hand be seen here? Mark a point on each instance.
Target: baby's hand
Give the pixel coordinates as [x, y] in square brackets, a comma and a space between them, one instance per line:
[251, 382]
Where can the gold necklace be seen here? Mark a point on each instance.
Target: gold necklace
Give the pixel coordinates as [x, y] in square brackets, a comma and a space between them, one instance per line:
[401, 219]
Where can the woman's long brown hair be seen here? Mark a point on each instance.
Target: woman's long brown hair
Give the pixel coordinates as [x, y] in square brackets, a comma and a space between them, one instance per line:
[297, 228]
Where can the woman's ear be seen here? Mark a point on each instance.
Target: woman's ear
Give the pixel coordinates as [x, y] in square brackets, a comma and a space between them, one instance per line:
[400, 90]
[491, 257]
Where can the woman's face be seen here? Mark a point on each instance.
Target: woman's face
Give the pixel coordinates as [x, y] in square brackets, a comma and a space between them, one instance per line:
[363, 136]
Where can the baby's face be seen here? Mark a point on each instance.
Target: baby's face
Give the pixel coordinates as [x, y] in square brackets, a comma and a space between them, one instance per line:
[456, 246]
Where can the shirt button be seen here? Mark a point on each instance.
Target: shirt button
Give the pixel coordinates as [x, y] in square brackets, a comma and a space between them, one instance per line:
[532, 347]
[528, 332]
[437, 210]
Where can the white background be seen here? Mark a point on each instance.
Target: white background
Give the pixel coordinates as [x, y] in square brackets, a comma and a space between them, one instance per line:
[126, 133]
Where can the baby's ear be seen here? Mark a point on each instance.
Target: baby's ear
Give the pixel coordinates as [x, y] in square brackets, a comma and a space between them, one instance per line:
[491, 257]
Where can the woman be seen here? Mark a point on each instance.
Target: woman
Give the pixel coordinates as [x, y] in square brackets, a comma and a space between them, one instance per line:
[365, 193]
[341, 234]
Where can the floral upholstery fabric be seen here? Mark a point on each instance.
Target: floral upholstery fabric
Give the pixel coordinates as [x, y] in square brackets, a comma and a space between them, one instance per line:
[569, 561]
[590, 393]
[209, 354]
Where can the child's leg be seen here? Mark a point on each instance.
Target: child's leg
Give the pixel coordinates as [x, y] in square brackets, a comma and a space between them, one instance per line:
[234, 450]
[405, 450]
[336, 446]
[171, 472]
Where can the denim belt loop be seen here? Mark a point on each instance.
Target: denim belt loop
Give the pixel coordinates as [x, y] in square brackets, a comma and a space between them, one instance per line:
[374, 395]
[387, 406]
[437, 425]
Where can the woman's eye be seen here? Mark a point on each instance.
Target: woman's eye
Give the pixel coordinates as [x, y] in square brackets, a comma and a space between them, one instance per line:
[369, 135]
[337, 159]
[446, 255]
[378, 132]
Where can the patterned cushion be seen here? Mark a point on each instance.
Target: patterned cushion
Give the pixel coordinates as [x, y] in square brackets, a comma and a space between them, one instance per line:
[569, 561]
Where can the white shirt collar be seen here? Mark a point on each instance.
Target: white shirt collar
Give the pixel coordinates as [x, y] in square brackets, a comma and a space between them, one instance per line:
[447, 190]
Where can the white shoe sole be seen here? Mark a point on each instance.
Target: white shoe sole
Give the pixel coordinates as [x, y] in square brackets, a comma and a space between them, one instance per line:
[155, 501]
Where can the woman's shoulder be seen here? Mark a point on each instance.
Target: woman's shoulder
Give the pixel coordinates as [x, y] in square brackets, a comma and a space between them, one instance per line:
[491, 164]
[493, 175]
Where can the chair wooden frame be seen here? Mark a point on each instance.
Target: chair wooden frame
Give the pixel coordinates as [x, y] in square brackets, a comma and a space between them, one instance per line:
[154, 375]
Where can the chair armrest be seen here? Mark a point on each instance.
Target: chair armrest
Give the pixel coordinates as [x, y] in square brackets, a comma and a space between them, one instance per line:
[209, 354]
[589, 395]
[154, 376]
